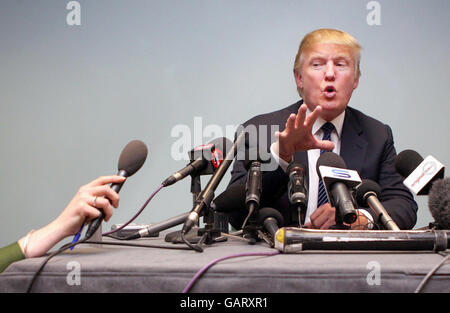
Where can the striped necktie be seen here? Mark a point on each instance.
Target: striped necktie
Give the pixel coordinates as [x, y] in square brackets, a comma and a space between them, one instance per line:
[322, 196]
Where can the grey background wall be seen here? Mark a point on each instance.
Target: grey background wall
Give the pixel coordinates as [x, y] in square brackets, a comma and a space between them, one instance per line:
[71, 97]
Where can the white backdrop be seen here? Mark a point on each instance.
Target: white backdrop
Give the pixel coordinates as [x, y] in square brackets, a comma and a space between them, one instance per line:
[71, 97]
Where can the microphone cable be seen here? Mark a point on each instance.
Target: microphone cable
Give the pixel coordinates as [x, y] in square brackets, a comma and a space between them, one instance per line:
[210, 264]
[84, 241]
[137, 214]
[50, 256]
[427, 277]
[72, 244]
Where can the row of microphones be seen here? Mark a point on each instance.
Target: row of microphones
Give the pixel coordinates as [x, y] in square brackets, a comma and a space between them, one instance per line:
[340, 184]
[421, 176]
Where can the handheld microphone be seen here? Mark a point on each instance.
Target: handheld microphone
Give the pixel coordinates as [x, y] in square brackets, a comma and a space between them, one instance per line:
[367, 196]
[297, 193]
[131, 160]
[419, 173]
[271, 219]
[205, 159]
[337, 180]
[439, 202]
[206, 196]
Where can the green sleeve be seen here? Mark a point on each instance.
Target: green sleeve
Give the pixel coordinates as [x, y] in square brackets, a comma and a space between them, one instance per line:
[10, 254]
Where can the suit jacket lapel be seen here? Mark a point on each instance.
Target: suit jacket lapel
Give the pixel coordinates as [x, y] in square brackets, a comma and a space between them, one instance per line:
[353, 143]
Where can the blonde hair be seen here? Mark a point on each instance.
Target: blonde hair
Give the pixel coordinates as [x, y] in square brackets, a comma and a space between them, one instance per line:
[328, 35]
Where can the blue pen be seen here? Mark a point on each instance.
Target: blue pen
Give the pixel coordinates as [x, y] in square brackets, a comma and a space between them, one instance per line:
[77, 236]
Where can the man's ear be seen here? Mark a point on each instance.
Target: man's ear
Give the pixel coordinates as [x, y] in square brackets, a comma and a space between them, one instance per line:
[298, 79]
[356, 83]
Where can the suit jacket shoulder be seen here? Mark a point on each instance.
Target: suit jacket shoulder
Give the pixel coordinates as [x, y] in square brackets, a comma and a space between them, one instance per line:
[278, 117]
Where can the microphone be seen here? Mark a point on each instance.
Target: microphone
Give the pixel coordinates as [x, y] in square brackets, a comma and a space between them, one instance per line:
[156, 228]
[205, 159]
[253, 187]
[367, 194]
[439, 202]
[419, 173]
[131, 160]
[271, 219]
[295, 240]
[297, 193]
[206, 196]
[337, 180]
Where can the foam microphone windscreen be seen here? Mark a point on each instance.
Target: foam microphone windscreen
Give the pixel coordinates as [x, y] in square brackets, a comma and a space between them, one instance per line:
[132, 157]
[363, 190]
[231, 200]
[330, 159]
[439, 202]
[407, 161]
[267, 212]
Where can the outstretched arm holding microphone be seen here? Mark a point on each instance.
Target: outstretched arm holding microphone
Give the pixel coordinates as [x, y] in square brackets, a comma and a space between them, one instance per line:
[83, 207]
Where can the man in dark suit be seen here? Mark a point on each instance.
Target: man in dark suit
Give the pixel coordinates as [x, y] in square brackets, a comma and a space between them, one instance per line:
[327, 71]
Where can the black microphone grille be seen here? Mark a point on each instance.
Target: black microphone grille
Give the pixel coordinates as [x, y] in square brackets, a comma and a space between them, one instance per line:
[364, 188]
[439, 202]
[330, 159]
[407, 161]
[132, 157]
[267, 212]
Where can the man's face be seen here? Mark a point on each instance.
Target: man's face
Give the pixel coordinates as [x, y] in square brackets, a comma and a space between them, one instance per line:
[327, 77]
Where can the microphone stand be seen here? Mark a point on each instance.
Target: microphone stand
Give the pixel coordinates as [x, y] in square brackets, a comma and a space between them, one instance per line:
[196, 187]
[175, 236]
[211, 233]
[252, 228]
[203, 201]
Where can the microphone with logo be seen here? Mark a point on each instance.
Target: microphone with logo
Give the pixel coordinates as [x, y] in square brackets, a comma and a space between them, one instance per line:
[205, 159]
[297, 193]
[419, 173]
[338, 181]
[367, 194]
[131, 160]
